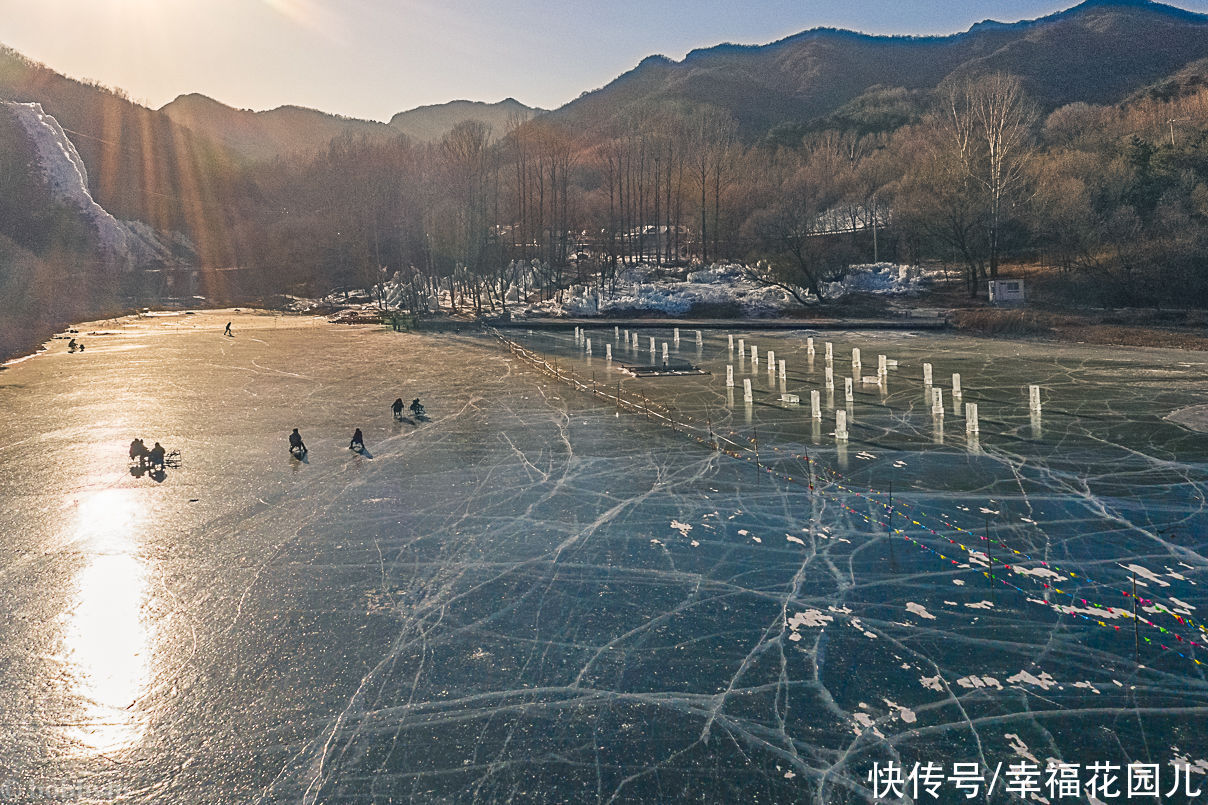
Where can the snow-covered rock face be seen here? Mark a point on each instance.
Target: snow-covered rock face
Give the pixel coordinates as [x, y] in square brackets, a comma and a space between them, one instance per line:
[133, 243]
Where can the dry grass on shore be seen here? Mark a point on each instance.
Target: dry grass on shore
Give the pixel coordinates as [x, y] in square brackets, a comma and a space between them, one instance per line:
[1137, 329]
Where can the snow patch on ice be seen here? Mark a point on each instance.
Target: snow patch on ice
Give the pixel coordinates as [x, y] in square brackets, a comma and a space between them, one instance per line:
[865, 722]
[905, 713]
[1146, 573]
[1039, 572]
[810, 617]
[920, 610]
[1020, 748]
[973, 682]
[932, 682]
[1024, 678]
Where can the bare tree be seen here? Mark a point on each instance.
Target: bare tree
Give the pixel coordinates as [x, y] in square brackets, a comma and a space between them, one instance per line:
[789, 250]
[990, 122]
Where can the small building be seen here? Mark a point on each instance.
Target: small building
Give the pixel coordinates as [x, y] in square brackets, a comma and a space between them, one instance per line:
[1006, 292]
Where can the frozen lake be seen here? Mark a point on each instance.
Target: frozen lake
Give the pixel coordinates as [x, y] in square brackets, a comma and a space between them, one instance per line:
[537, 597]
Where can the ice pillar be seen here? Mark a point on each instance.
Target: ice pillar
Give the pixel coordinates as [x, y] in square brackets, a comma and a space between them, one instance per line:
[841, 425]
[971, 418]
[926, 374]
[1034, 398]
[746, 389]
[730, 375]
[956, 384]
[815, 404]
[830, 377]
[848, 393]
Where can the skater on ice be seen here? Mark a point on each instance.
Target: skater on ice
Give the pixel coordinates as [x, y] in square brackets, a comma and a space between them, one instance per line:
[227, 331]
[296, 446]
[398, 408]
[156, 456]
[358, 442]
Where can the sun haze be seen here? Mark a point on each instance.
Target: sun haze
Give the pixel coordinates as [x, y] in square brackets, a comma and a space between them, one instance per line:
[372, 58]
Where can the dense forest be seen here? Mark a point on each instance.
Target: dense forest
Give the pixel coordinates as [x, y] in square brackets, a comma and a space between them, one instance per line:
[1113, 200]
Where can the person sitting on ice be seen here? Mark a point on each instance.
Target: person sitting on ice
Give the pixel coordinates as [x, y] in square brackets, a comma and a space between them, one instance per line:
[416, 407]
[398, 408]
[71, 345]
[156, 456]
[138, 451]
[295, 442]
[358, 441]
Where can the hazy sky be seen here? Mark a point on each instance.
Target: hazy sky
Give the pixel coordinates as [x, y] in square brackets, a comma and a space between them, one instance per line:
[372, 58]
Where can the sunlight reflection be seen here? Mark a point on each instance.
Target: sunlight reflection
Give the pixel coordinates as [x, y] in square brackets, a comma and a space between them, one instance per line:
[106, 638]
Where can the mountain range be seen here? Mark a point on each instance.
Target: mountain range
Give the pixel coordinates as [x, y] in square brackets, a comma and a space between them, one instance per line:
[1098, 52]
[178, 167]
[294, 129]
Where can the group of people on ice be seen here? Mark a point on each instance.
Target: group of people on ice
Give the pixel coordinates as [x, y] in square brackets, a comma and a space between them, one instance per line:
[417, 410]
[143, 457]
[298, 448]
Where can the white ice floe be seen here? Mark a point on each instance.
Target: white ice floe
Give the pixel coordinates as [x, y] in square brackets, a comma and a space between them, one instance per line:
[920, 610]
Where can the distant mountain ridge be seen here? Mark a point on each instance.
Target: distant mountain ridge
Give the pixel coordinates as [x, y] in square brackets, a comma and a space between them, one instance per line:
[263, 135]
[429, 123]
[295, 129]
[1099, 52]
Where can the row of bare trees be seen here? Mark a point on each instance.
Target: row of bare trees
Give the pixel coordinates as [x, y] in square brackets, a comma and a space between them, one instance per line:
[974, 178]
